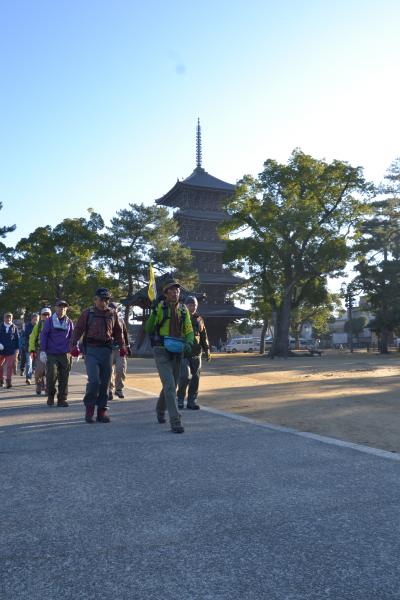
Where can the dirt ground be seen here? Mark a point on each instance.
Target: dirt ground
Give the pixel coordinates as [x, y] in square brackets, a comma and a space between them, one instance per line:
[353, 397]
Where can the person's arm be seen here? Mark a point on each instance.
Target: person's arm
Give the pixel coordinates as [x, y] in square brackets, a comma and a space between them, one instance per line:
[125, 333]
[117, 333]
[187, 329]
[79, 330]
[151, 322]
[43, 335]
[70, 330]
[204, 343]
[16, 340]
[33, 338]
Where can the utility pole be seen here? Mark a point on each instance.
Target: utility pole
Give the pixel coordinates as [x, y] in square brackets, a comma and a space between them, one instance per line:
[349, 302]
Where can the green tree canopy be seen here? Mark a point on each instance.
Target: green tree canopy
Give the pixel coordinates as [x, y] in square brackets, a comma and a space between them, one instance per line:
[317, 308]
[52, 262]
[137, 235]
[293, 225]
[4, 251]
[379, 257]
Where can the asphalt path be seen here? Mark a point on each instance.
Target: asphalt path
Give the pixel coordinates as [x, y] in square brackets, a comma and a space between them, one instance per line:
[229, 510]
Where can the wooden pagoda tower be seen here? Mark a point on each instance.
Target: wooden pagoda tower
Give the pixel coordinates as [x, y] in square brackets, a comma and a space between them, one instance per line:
[199, 200]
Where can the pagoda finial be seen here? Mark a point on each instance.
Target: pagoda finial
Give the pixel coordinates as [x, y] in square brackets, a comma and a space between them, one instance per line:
[198, 145]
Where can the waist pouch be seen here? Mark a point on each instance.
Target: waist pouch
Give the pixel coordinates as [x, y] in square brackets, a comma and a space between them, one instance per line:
[174, 345]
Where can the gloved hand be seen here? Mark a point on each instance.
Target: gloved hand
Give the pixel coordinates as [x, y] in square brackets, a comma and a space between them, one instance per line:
[43, 357]
[33, 355]
[208, 356]
[74, 351]
[123, 351]
[1, 347]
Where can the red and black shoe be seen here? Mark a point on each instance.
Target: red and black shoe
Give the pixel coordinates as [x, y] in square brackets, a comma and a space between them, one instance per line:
[102, 416]
[89, 414]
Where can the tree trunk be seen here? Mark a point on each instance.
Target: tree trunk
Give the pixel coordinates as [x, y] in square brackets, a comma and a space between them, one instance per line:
[383, 342]
[128, 306]
[263, 334]
[280, 346]
[127, 313]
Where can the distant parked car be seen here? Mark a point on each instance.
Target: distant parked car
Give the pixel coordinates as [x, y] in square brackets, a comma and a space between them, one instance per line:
[242, 345]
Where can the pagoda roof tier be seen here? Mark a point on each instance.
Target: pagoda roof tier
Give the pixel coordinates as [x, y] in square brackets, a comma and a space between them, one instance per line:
[225, 277]
[202, 215]
[222, 310]
[205, 246]
[200, 180]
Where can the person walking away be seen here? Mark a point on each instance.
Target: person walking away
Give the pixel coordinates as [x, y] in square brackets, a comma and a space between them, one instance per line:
[25, 347]
[119, 363]
[171, 331]
[98, 327]
[9, 344]
[55, 339]
[34, 349]
[21, 352]
[189, 376]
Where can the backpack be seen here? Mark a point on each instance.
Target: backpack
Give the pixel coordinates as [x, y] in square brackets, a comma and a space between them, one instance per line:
[91, 315]
[157, 339]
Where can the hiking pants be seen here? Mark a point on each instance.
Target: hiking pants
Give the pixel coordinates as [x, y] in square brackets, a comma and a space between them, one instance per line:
[189, 375]
[98, 369]
[118, 374]
[8, 361]
[168, 366]
[58, 366]
[40, 374]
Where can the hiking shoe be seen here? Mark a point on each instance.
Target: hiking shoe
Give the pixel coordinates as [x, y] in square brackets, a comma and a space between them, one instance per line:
[62, 403]
[180, 402]
[192, 405]
[120, 394]
[89, 414]
[161, 418]
[9, 385]
[176, 426]
[50, 401]
[102, 416]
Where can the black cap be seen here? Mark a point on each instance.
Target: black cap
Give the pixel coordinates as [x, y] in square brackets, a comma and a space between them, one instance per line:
[103, 293]
[169, 284]
[62, 303]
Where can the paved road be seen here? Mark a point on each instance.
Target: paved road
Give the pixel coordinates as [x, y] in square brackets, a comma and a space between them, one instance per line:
[229, 510]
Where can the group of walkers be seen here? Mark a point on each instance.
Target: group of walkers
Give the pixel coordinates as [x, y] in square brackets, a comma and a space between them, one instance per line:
[47, 344]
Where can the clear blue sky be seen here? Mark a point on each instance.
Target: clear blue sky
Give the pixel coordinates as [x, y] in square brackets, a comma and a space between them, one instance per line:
[99, 99]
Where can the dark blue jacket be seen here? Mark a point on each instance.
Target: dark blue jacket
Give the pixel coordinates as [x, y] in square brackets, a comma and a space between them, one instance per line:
[27, 332]
[9, 340]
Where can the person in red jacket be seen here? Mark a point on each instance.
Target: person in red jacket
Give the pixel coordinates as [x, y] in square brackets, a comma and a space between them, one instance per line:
[98, 327]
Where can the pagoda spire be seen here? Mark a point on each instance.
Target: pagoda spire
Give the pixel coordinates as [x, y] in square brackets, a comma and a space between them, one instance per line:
[198, 145]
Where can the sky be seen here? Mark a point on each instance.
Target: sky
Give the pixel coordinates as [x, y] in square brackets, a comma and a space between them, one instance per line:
[99, 100]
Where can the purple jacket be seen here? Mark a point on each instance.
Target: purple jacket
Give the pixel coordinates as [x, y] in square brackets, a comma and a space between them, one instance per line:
[54, 340]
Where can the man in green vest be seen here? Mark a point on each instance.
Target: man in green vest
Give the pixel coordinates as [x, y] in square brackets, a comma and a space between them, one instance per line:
[171, 332]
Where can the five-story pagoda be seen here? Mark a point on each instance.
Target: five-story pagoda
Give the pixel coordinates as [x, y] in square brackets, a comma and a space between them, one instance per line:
[200, 199]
